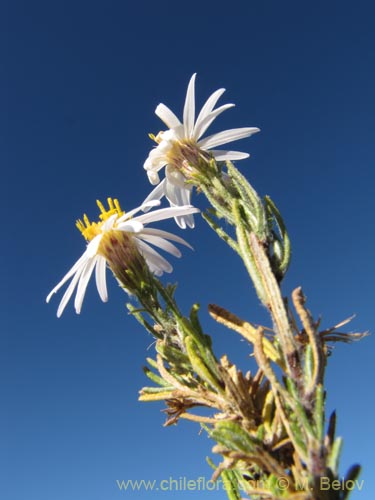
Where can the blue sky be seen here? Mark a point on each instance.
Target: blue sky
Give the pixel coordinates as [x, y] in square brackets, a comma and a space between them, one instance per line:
[80, 82]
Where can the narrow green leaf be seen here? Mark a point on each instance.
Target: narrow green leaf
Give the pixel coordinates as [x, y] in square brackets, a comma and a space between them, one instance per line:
[233, 437]
[220, 232]
[246, 254]
[319, 415]
[172, 355]
[298, 413]
[137, 313]
[194, 319]
[334, 456]
[199, 365]
[231, 485]
[284, 264]
[156, 390]
[350, 477]
[331, 432]
[155, 378]
[309, 365]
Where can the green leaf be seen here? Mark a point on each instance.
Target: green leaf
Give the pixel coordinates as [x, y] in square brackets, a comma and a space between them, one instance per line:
[233, 437]
[247, 255]
[220, 232]
[172, 355]
[156, 378]
[199, 365]
[284, 263]
[231, 485]
[309, 365]
[334, 456]
[319, 412]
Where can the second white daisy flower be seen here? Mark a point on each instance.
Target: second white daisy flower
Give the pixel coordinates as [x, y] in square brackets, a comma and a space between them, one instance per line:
[181, 146]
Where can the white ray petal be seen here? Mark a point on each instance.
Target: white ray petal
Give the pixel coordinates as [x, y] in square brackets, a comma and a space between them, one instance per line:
[146, 205]
[227, 136]
[107, 225]
[177, 197]
[166, 213]
[207, 108]
[130, 226]
[201, 127]
[155, 161]
[69, 274]
[92, 247]
[166, 235]
[180, 221]
[83, 282]
[160, 243]
[100, 278]
[187, 220]
[153, 257]
[189, 108]
[153, 177]
[173, 192]
[220, 155]
[167, 116]
[69, 291]
[156, 194]
[175, 178]
[174, 134]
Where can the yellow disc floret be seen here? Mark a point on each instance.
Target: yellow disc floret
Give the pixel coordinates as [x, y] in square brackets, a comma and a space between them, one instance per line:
[91, 229]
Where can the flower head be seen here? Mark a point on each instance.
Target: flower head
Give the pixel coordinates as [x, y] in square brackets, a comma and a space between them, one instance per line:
[123, 242]
[181, 147]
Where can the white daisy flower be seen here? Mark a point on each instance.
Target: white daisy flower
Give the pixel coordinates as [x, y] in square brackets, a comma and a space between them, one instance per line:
[122, 241]
[181, 146]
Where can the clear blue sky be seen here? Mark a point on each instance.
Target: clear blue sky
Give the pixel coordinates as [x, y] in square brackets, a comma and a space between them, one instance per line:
[79, 85]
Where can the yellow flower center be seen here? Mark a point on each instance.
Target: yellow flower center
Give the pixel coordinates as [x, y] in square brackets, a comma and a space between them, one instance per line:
[91, 229]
